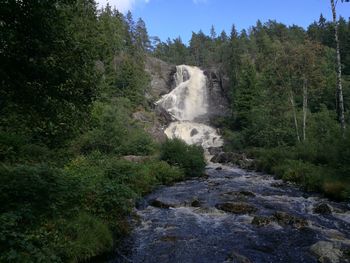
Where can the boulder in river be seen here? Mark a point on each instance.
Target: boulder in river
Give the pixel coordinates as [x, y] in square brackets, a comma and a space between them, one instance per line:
[261, 220]
[160, 204]
[322, 209]
[215, 150]
[237, 208]
[239, 159]
[196, 203]
[283, 218]
[234, 257]
[327, 252]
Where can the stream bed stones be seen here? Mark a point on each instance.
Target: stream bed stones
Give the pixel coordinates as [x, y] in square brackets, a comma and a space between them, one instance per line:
[233, 215]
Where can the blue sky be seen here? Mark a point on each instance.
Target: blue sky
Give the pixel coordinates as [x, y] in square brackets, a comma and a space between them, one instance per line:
[172, 18]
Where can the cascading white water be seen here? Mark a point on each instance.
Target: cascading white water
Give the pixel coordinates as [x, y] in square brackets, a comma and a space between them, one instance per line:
[187, 103]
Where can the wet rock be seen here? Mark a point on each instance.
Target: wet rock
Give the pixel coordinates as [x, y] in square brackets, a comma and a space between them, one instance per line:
[214, 150]
[247, 193]
[261, 220]
[218, 168]
[239, 159]
[196, 203]
[240, 194]
[234, 257]
[213, 184]
[323, 209]
[283, 218]
[246, 163]
[327, 252]
[277, 184]
[194, 132]
[169, 238]
[225, 157]
[160, 204]
[218, 93]
[237, 208]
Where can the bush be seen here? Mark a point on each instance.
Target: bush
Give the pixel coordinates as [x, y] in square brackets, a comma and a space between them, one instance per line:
[85, 237]
[165, 173]
[115, 132]
[188, 157]
[36, 188]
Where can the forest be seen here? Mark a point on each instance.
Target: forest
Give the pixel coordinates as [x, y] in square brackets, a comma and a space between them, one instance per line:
[72, 75]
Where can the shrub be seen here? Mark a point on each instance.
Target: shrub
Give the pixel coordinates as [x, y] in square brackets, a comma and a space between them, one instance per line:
[85, 237]
[188, 157]
[165, 173]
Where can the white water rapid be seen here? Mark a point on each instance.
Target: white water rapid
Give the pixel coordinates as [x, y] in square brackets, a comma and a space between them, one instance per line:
[188, 103]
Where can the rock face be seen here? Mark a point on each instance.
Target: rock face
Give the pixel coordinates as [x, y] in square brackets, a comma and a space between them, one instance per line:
[162, 76]
[218, 87]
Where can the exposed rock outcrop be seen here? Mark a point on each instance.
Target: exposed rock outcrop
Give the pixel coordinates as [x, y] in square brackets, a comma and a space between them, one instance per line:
[218, 87]
[162, 76]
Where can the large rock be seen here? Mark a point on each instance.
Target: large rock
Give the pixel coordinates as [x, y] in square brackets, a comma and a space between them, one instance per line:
[160, 203]
[225, 157]
[261, 220]
[215, 150]
[234, 257]
[162, 76]
[327, 252]
[322, 209]
[237, 208]
[218, 92]
[239, 159]
[286, 219]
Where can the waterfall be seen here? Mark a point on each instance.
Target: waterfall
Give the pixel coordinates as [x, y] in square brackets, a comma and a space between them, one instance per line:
[188, 104]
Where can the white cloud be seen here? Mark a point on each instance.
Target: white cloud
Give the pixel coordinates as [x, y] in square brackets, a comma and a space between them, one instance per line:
[122, 5]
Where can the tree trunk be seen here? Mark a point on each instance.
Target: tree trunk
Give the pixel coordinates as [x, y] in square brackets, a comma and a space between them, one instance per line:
[339, 83]
[291, 98]
[304, 108]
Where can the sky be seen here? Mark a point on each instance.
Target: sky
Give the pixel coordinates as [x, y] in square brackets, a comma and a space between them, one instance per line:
[173, 18]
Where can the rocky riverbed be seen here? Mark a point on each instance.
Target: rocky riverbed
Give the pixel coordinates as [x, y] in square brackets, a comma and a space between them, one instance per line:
[233, 215]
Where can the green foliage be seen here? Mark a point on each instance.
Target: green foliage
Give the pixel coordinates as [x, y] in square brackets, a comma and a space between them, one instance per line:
[165, 173]
[48, 79]
[115, 132]
[86, 237]
[188, 157]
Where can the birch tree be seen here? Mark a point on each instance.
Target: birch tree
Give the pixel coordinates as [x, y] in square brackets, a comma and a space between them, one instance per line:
[339, 68]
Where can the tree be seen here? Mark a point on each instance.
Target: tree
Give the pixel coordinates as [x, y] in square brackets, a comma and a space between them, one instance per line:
[339, 69]
[212, 33]
[47, 69]
[141, 36]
